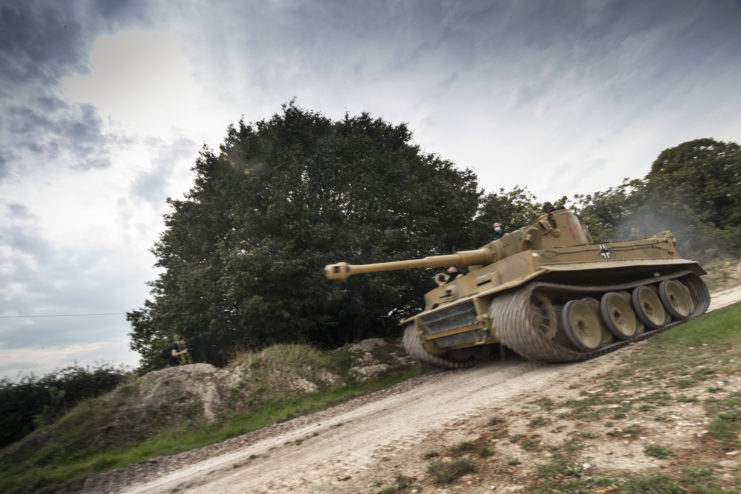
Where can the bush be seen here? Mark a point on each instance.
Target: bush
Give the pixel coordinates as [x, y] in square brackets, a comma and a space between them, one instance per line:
[32, 402]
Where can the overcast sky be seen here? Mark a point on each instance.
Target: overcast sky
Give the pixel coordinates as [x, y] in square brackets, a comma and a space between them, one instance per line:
[104, 106]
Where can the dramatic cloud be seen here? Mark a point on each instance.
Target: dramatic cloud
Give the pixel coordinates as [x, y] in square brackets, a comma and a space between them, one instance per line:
[52, 128]
[40, 43]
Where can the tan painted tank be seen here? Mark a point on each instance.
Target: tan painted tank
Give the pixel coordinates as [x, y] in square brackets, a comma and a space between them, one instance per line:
[549, 293]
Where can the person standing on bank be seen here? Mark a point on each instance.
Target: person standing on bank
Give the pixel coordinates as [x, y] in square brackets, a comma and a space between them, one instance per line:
[174, 351]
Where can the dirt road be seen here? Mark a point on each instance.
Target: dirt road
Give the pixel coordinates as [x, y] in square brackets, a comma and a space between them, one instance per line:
[349, 448]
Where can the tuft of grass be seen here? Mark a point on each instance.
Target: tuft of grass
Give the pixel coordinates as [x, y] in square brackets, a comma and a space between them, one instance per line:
[656, 451]
[462, 447]
[544, 403]
[726, 422]
[538, 421]
[484, 451]
[444, 472]
[574, 445]
[285, 354]
[401, 483]
[687, 399]
[651, 484]
[551, 469]
[702, 479]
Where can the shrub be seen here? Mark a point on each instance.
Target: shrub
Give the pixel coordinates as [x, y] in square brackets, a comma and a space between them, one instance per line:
[32, 402]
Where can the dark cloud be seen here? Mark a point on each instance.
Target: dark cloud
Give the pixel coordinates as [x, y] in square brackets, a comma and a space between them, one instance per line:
[40, 43]
[19, 211]
[3, 166]
[20, 235]
[52, 128]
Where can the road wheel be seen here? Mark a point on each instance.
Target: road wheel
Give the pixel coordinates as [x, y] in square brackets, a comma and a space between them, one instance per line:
[606, 336]
[648, 306]
[618, 316]
[582, 325]
[676, 298]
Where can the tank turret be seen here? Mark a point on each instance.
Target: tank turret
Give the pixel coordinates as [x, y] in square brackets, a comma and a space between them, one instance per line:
[549, 293]
[545, 231]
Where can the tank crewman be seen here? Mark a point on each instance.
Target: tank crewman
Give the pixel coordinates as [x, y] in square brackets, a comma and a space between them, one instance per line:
[453, 273]
[499, 231]
[549, 208]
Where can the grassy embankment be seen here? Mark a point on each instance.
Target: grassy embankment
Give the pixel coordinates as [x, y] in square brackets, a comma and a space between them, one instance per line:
[73, 447]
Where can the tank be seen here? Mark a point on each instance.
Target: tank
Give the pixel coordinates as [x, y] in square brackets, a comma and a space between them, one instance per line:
[548, 292]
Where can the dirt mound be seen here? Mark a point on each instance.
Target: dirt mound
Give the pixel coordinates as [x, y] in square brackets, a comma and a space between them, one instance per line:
[200, 387]
[204, 392]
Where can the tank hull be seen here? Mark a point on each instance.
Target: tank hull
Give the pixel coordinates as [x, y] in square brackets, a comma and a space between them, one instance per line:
[456, 334]
[486, 307]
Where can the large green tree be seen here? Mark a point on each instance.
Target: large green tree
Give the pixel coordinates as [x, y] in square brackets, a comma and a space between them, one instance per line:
[692, 189]
[702, 177]
[242, 255]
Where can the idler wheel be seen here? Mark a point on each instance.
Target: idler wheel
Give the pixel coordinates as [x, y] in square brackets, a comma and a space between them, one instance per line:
[542, 315]
[648, 307]
[619, 316]
[606, 335]
[582, 325]
[676, 298]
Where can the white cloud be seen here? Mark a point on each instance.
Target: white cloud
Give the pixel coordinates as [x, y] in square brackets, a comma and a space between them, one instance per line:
[142, 82]
[44, 359]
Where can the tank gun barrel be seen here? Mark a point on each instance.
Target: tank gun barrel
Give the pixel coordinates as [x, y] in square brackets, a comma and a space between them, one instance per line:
[342, 270]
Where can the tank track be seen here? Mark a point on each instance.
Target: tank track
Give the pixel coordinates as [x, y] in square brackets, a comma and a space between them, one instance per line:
[513, 316]
[414, 348]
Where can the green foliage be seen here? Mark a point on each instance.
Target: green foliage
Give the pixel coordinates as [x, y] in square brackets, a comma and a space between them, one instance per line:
[289, 355]
[692, 190]
[651, 484]
[656, 451]
[509, 208]
[726, 422]
[704, 175]
[32, 402]
[243, 253]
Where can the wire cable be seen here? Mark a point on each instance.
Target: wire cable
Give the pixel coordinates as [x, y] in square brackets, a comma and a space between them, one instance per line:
[65, 315]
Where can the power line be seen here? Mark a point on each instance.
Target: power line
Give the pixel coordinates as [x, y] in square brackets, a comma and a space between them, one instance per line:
[65, 315]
